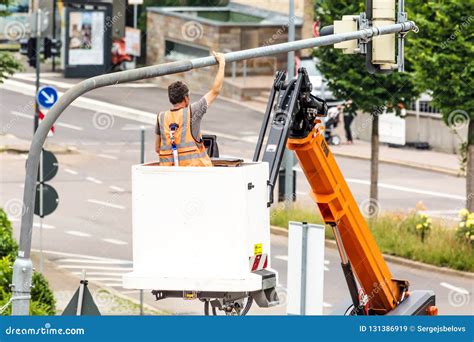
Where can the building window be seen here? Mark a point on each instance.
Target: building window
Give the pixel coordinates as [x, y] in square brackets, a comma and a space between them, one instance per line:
[177, 51]
[425, 107]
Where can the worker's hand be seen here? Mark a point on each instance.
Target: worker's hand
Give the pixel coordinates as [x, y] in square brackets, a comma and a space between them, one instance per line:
[220, 58]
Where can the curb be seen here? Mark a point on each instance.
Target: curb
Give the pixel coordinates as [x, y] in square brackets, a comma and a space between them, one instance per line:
[391, 258]
[53, 149]
[412, 165]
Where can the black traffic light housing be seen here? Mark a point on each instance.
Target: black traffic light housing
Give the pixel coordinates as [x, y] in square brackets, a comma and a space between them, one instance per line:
[31, 51]
[51, 47]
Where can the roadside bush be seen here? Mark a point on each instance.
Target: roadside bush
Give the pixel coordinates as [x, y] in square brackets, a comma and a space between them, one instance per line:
[396, 234]
[465, 229]
[423, 225]
[8, 245]
[42, 297]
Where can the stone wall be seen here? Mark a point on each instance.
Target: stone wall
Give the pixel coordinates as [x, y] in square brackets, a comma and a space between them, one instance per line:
[223, 38]
[432, 130]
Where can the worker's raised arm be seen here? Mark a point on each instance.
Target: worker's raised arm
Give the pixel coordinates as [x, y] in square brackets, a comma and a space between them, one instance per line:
[219, 80]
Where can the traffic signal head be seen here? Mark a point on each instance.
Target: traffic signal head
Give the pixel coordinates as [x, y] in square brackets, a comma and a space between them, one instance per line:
[31, 51]
[382, 53]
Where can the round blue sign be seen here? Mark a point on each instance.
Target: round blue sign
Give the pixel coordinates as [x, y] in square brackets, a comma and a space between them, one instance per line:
[47, 96]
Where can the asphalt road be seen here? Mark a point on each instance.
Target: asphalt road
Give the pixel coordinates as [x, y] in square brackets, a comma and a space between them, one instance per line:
[93, 220]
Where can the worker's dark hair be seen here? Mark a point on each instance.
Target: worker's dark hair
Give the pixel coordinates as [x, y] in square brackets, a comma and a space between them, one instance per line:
[177, 91]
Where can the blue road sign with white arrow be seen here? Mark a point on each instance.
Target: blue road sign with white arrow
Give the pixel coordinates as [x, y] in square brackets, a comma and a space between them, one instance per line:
[47, 96]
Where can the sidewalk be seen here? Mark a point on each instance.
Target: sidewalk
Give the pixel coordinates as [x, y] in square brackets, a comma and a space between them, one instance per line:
[11, 144]
[419, 159]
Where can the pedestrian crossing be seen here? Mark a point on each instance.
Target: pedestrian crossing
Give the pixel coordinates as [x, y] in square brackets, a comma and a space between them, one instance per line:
[105, 271]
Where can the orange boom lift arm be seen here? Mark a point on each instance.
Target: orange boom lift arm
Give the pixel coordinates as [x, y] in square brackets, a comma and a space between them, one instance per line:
[295, 123]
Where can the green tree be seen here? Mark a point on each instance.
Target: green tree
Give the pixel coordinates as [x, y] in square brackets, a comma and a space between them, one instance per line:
[348, 78]
[442, 54]
[8, 64]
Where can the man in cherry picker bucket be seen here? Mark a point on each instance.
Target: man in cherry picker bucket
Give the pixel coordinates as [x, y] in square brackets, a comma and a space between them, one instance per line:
[178, 139]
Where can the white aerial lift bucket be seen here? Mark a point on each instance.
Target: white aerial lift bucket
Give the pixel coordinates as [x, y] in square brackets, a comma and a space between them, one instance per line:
[202, 232]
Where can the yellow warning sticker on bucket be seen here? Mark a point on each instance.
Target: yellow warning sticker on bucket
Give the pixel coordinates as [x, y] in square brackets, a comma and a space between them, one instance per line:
[257, 249]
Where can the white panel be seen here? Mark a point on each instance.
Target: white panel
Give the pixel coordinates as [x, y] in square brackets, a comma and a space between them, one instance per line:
[197, 226]
[314, 269]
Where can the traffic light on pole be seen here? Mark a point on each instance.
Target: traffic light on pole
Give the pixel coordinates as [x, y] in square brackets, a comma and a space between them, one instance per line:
[381, 52]
[31, 52]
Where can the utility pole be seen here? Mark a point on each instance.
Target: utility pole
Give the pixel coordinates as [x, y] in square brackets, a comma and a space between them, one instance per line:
[289, 157]
[54, 33]
[38, 61]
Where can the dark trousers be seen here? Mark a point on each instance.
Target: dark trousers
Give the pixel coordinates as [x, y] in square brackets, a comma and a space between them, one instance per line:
[347, 126]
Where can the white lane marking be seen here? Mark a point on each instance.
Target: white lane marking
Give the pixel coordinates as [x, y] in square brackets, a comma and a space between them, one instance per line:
[72, 172]
[45, 226]
[116, 188]
[87, 103]
[87, 267]
[94, 180]
[110, 274]
[130, 292]
[101, 278]
[65, 85]
[59, 124]
[454, 288]
[22, 115]
[326, 262]
[114, 284]
[96, 262]
[76, 233]
[115, 242]
[400, 188]
[327, 305]
[107, 156]
[65, 125]
[406, 189]
[106, 204]
[74, 255]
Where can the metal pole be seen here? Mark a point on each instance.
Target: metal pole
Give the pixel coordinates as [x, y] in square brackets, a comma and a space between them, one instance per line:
[142, 143]
[54, 33]
[41, 199]
[304, 261]
[142, 161]
[289, 157]
[80, 297]
[135, 24]
[38, 63]
[22, 268]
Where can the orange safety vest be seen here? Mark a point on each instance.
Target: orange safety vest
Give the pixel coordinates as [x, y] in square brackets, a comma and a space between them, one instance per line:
[190, 151]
